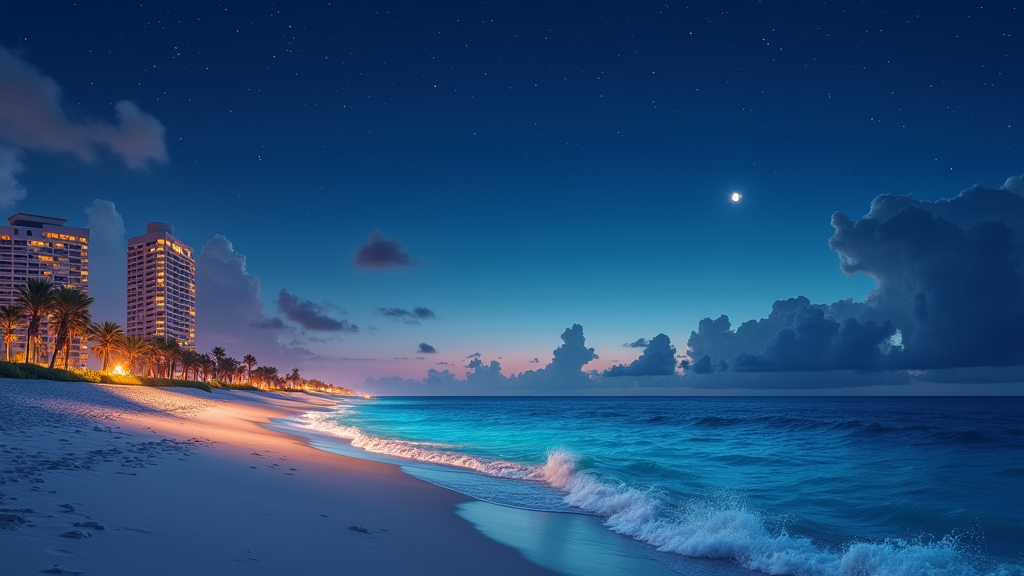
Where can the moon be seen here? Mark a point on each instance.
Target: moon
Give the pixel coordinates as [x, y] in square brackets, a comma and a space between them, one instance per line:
[736, 196]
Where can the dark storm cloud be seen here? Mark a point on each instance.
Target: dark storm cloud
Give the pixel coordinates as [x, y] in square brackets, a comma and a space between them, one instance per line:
[310, 315]
[425, 348]
[949, 295]
[381, 252]
[810, 342]
[795, 336]
[952, 286]
[31, 116]
[408, 316]
[658, 359]
[639, 343]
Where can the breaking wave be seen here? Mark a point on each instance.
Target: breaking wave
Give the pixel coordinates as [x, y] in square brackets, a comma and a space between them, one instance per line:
[700, 528]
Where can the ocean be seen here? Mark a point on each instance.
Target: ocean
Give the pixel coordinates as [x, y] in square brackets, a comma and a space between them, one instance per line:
[803, 486]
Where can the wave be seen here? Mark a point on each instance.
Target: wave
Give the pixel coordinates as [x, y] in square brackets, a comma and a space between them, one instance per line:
[729, 530]
[424, 452]
[701, 528]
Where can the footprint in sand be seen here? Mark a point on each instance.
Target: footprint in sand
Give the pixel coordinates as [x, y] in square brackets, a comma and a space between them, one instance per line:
[58, 570]
[136, 530]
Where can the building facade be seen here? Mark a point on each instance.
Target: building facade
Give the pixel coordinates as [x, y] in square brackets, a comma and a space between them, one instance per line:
[161, 286]
[34, 246]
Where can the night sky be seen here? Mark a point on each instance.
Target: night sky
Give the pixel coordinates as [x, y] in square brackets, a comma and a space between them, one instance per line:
[383, 189]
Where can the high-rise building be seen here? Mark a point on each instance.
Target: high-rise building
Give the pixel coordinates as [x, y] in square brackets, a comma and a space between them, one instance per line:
[43, 247]
[161, 286]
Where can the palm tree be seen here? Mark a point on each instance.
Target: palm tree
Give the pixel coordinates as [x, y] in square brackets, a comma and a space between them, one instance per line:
[79, 332]
[218, 354]
[35, 297]
[207, 364]
[190, 363]
[133, 348]
[228, 368]
[265, 375]
[294, 378]
[153, 358]
[172, 353]
[108, 337]
[69, 313]
[11, 319]
[249, 360]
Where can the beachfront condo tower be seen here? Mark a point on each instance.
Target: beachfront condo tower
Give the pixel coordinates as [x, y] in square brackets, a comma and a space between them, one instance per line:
[43, 247]
[161, 286]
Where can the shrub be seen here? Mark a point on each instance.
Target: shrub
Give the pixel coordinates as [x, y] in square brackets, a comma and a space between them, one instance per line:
[35, 372]
[174, 383]
[232, 385]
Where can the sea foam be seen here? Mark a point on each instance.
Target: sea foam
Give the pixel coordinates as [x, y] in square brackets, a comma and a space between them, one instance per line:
[326, 422]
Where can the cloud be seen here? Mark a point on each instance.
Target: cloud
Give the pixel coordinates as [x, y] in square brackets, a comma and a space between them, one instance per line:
[1014, 184]
[10, 165]
[229, 305]
[812, 342]
[563, 375]
[407, 316]
[381, 252]
[485, 375]
[272, 323]
[573, 354]
[639, 343]
[796, 336]
[949, 294]
[310, 315]
[442, 363]
[108, 261]
[535, 361]
[31, 116]
[425, 348]
[948, 274]
[658, 359]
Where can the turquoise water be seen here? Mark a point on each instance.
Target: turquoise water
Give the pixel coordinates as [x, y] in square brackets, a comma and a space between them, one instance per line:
[778, 485]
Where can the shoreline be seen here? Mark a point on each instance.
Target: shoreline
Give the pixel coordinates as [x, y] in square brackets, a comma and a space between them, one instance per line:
[101, 479]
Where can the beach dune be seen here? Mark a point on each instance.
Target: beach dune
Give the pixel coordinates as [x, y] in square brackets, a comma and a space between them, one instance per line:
[99, 479]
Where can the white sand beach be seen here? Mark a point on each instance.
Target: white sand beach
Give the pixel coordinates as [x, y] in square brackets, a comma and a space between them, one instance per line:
[98, 479]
